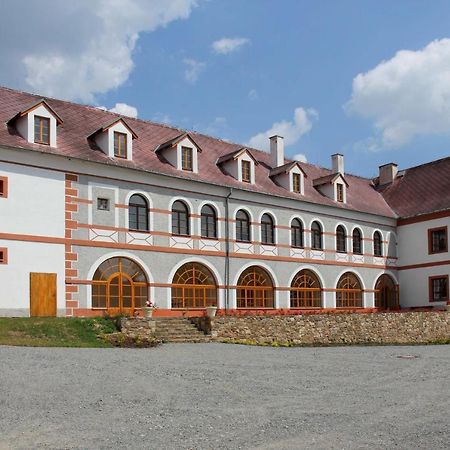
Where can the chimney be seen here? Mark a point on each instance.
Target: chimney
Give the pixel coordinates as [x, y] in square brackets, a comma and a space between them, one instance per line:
[277, 150]
[387, 173]
[337, 161]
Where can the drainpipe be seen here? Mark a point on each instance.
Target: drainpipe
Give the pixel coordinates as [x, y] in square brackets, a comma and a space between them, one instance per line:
[227, 251]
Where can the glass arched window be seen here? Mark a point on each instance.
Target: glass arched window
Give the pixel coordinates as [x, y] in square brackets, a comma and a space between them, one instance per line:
[138, 213]
[306, 291]
[386, 293]
[377, 245]
[255, 289]
[349, 291]
[297, 234]
[209, 222]
[193, 286]
[243, 227]
[267, 230]
[180, 219]
[341, 239]
[316, 236]
[357, 241]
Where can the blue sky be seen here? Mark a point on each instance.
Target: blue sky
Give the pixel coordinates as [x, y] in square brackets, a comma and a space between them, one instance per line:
[290, 67]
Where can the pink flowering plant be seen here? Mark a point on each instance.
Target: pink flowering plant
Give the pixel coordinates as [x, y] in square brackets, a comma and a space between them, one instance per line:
[150, 304]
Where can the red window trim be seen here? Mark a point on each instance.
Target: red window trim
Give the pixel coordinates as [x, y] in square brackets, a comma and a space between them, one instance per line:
[430, 240]
[4, 259]
[4, 192]
[430, 288]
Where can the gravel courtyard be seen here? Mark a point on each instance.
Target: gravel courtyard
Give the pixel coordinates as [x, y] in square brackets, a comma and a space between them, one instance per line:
[219, 396]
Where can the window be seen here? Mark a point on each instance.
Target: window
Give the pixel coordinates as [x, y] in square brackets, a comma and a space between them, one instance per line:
[138, 213]
[357, 242]
[246, 171]
[341, 246]
[437, 240]
[297, 234]
[316, 236]
[41, 130]
[180, 219]
[120, 145]
[306, 291]
[186, 158]
[267, 230]
[439, 288]
[296, 182]
[255, 289]
[3, 187]
[103, 204]
[242, 227]
[377, 247]
[340, 192]
[3, 256]
[208, 222]
[349, 292]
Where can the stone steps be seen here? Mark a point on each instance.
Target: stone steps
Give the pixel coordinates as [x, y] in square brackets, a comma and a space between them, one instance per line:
[178, 330]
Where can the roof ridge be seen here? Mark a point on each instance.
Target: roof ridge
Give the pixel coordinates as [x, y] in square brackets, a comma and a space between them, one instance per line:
[429, 163]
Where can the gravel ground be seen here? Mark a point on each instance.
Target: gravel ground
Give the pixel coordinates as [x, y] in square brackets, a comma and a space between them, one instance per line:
[219, 396]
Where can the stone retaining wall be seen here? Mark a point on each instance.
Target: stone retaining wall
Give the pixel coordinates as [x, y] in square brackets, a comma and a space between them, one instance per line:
[332, 329]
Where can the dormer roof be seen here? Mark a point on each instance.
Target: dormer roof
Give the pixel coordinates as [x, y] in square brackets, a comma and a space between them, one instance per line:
[174, 141]
[286, 168]
[33, 106]
[111, 124]
[329, 179]
[235, 155]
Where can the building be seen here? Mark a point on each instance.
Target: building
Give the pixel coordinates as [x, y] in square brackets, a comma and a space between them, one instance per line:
[99, 213]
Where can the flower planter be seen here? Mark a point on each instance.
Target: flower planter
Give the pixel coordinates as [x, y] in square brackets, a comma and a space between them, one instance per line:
[211, 311]
[148, 312]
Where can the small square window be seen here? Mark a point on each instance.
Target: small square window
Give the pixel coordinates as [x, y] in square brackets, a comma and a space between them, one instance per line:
[3, 256]
[41, 130]
[340, 192]
[103, 204]
[296, 182]
[246, 171]
[3, 187]
[120, 145]
[437, 240]
[186, 158]
[439, 288]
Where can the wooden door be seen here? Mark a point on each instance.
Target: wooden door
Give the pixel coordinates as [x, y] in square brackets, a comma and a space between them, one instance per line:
[42, 294]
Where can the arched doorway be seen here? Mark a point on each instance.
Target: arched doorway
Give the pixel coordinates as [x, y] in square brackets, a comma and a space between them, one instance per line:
[306, 291]
[349, 292]
[386, 293]
[255, 289]
[119, 286]
[193, 286]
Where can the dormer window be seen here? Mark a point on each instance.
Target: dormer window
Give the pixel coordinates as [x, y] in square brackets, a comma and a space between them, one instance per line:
[186, 158]
[120, 145]
[41, 130]
[246, 171]
[296, 183]
[340, 192]
[334, 186]
[290, 176]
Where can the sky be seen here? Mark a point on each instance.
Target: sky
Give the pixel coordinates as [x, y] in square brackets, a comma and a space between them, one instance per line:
[366, 78]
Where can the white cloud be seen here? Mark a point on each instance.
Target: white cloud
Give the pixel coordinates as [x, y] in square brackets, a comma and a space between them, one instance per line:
[125, 110]
[193, 70]
[291, 131]
[406, 96]
[225, 46]
[84, 47]
[253, 94]
[301, 157]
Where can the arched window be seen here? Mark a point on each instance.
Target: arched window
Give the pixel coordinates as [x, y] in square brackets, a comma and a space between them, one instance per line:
[120, 286]
[267, 230]
[209, 222]
[316, 236]
[341, 239]
[193, 286]
[243, 227]
[180, 219]
[357, 241]
[377, 246]
[306, 291]
[297, 234]
[386, 293]
[349, 292]
[255, 289]
[138, 213]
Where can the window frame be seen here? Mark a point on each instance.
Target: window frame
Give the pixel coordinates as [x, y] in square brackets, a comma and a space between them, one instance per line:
[3, 187]
[108, 203]
[433, 278]
[341, 240]
[297, 183]
[430, 240]
[138, 208]
[117, 138]
[3, 255]
[313, 236]
[239, 228]
[294, 229]
[176, 219]
[267, 230]
[204, 221]
[39, 136]
[375, 253]
[244, 172]
[340, 192]
[360, 252]
[187, 163]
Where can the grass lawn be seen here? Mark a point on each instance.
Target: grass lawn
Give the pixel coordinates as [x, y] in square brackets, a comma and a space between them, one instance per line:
[55, 331]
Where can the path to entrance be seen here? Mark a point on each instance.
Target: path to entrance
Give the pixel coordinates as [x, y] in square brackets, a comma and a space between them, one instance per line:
[214, 396]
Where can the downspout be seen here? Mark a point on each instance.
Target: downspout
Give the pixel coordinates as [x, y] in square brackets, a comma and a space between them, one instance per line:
[227, 250]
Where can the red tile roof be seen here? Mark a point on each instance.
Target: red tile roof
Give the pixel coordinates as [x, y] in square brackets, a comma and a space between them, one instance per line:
[420, 190]
[82, 121]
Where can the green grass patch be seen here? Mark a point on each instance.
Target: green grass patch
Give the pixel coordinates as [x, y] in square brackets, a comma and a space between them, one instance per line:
[56, 331]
